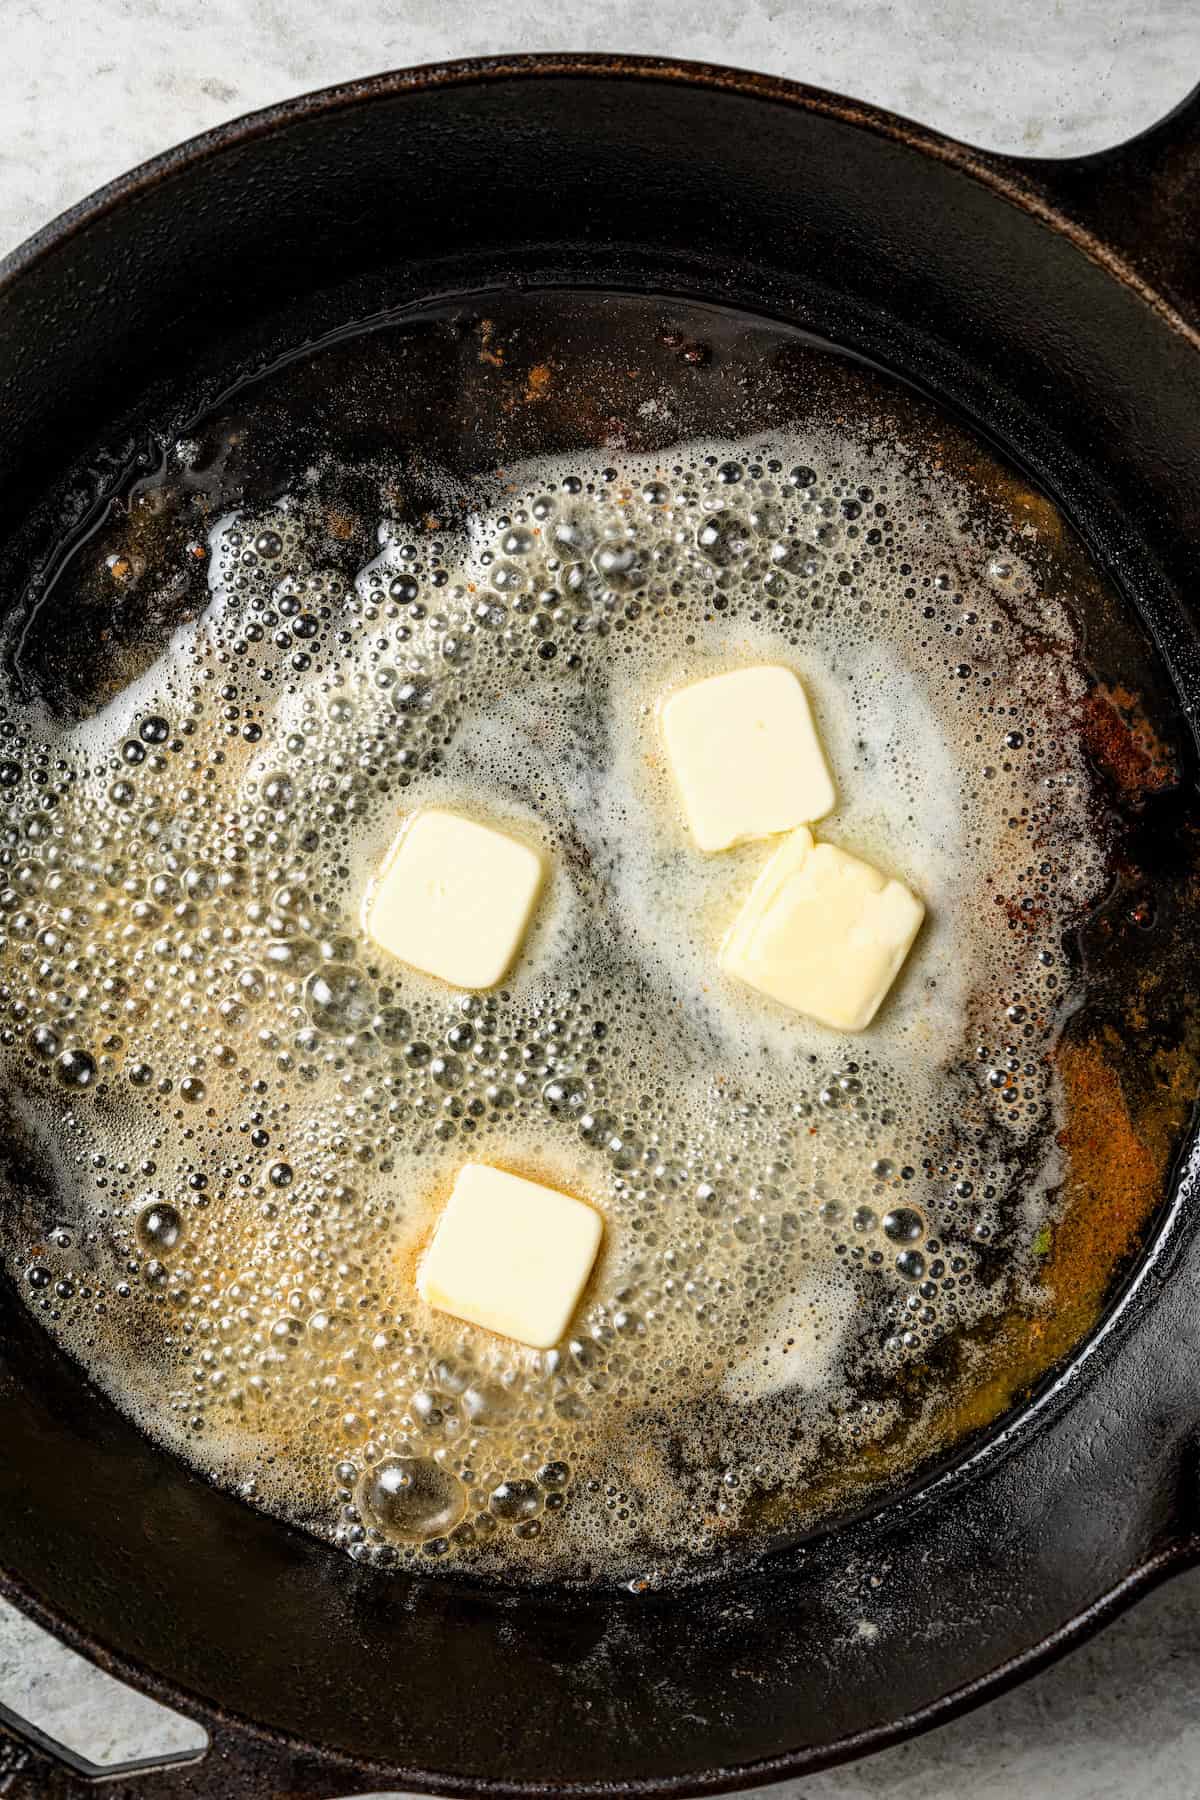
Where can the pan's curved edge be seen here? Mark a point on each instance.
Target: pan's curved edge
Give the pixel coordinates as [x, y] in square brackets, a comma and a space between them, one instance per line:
[1015, 179]
[1158, 1568]
[320, 1762]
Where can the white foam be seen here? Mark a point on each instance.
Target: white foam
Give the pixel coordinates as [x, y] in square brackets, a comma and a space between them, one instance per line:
[800, 1344]
[730, 1145]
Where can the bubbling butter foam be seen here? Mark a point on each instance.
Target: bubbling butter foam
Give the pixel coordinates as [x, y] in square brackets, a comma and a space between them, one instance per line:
[253, 1115]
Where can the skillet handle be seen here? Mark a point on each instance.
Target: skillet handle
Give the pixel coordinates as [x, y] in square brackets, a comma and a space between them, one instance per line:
[1141, 199]
[32, 1763]
[235, 1764]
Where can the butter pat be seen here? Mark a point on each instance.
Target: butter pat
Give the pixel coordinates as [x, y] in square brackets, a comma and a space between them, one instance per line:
[745, 756]
[823, 932]
[510, 1255]
[455, 898]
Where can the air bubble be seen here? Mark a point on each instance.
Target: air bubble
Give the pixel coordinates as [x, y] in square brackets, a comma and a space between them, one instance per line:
[75, 1069]
[44, 1042]
[488, 1403]
[513, 1501]
[620, 567]
[409, 1499]
[903, 1225]
[159, 1228]
[392, 1025]
[723, 539]
[339, 998]
[278, 790]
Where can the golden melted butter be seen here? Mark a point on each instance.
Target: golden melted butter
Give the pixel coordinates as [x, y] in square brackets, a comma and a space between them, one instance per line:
[253, 1115]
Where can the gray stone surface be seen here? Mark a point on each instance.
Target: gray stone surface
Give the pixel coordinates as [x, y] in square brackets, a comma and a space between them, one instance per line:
[88, 87]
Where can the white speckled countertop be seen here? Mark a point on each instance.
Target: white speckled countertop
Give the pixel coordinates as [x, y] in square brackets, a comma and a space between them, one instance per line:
[89, 87]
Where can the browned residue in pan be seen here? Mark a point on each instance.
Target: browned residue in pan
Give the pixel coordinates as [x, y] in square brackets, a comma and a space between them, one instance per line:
[1117, 1157]
[1116, 1168]
[1123, 743]
[488, 353]
[537, 382]
[1118, 1163]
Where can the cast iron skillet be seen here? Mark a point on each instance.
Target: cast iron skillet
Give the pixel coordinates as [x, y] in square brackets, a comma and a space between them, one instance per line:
[1055, 303]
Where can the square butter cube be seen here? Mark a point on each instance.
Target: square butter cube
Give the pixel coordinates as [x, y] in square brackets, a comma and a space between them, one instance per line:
[823, 932]
[745, 756]
[455, 898]
[511, 1255]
